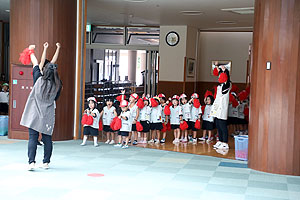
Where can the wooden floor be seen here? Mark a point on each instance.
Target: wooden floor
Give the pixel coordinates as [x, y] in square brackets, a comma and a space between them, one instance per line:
[200, 148]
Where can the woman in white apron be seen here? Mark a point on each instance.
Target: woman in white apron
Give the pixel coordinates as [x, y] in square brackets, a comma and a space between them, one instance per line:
[39, 111]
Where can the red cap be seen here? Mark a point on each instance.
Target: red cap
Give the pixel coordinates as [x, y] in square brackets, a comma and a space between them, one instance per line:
[92, 99]
[161, 96]
[124, 103]
[175, 97]
[135, 96]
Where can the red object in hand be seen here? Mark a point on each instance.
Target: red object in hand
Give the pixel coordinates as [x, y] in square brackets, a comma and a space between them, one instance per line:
[169, 126]
[208, 93]
[243, 95]
[116, 124]
[197, 103]
[139, 127]
[84, 119]
[170, 104]
[119, 98]
[248, 90]
[90, 120]
[184, 126]
[216, 72]
[25, 56]
[234, 89]
[164, 129]
[167, 110]
[197, 124]
[246, 111]
[100, 125]
[21, 73]
[223, 78]
[153, 102]
[140, 104]
[203, 108]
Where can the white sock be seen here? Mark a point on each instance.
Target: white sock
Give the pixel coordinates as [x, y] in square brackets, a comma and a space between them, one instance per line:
[95, 140]
[84, 139]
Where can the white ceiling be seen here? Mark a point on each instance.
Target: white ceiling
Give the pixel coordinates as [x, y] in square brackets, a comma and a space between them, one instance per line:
[167, 12]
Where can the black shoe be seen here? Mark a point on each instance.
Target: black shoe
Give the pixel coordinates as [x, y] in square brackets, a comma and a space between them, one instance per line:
[39, 143]
[129, 141]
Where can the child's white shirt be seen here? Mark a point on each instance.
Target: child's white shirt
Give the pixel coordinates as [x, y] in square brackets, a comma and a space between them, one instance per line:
[175, 115]
[232, 111]
[207, 116]
[145, 114]
[195, 113]
[4, 97]
[163, 116]
[133, 112]
[126, 124]
[241, 108]
[186, 110]
[96, 119]
[108, 115]
[156, 114]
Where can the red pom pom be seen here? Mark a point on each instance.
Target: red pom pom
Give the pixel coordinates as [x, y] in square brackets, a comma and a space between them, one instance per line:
[234, 89]
[184, 126]
[153, 102]
[100, 125]
[197, 103]
[223, 78]
[25, 56]
[119, 98]
[167, 110]
[243, 95]
[170, 104]
[164, 129]
[203, 108]
[248, 90]
[208, 93]
[90, 120]
[216, 72]
[169, 126]
[84, 119]
[231, 98]
[246, 111]
[140, 104]
[235, 103]
[139, 127]
[197, 124]
[116, 124]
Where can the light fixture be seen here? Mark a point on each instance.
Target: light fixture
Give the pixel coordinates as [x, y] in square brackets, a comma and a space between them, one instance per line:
[136, 1]
[241, 11]
[191, 12]
[7, 10]
[226, 22]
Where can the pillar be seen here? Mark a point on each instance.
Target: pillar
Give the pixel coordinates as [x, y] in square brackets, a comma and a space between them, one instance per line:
[274, 129]
[132, 55]
[35, 22]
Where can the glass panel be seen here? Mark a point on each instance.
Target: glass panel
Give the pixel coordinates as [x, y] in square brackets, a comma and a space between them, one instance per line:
[143, 36]
[108, 35]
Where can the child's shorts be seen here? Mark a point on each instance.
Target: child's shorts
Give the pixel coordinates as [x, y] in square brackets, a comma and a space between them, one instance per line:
[107, 128]
[175, 126]
[87, 130]
[242, 121]
[232, 120]
[146, 126]
[156, 126]
[133, 127]
[206, 125]
[123, 133]
[192, 125]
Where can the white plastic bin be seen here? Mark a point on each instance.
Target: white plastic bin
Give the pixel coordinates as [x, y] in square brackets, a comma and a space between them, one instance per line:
[241, 147]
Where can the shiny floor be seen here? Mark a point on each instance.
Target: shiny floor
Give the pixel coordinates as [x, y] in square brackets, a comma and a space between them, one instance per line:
[107, 173]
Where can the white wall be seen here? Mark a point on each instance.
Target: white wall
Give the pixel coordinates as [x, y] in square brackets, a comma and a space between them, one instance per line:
[224, 46]
[171, 67]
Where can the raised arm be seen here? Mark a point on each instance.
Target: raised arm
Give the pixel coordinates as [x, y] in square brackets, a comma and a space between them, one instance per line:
[54, 59]
[43, 58]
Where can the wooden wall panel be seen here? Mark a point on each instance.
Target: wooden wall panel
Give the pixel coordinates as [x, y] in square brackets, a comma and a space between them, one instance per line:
[274, 131]
[34, 22]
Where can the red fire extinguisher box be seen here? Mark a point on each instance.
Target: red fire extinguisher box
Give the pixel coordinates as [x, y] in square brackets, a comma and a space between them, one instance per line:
[21, 84]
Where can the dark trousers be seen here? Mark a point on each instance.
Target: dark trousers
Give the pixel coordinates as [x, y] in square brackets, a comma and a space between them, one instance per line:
[222, 130]
[32, 146]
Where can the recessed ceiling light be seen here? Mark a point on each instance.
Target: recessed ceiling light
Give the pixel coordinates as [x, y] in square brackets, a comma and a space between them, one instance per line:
[226, 22]
[7, 10]
[136, 1]
[191, 12]
[241, 11]
[134, 24]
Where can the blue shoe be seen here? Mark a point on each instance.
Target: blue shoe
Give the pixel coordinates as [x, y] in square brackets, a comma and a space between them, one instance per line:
[163, 141]
[135, 142]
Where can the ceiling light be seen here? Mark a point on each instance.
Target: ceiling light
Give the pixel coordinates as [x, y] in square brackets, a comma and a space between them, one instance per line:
[7, 10]
[133, 24]
[136, 1]
[191, 12]
[226, 22]
[241, 11]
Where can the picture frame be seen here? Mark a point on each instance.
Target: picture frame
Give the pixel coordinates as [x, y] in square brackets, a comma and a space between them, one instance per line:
[226, 63]
[190, 67]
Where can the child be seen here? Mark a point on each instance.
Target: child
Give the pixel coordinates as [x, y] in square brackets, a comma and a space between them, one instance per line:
[107, 114]
[156, 121]
[92, 129]
[208, 120]
[195, 115]
[186, 110]
[134, 113]
[163, 103]
[126, 125]
[176, 118]
[4, 99]
[233, 114]
[145, 120]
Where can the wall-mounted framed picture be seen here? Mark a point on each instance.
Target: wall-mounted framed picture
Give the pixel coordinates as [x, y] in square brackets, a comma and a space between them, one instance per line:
[226, 63]
[190, 67]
